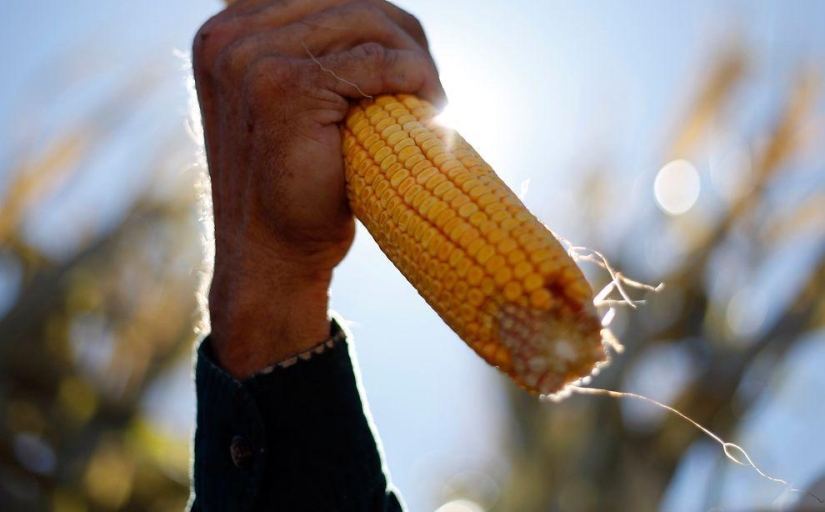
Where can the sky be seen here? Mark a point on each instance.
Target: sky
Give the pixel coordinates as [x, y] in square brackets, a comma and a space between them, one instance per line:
[539, 89]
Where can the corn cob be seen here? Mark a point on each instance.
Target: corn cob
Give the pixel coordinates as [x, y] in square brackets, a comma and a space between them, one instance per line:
[495, 274]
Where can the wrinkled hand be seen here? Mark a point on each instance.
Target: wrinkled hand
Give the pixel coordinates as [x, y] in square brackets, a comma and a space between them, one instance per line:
[274, 80]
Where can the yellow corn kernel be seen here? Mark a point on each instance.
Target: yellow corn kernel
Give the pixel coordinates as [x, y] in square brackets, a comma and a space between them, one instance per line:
[484, 263]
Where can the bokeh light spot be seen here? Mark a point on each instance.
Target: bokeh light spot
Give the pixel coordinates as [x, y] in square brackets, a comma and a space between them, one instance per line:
[460, 506]
[676, 187]
[746, 313]
[110, 475]
[77, 398]
[34, 453]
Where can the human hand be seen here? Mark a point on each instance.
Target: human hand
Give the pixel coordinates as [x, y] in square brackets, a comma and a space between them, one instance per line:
[274, 80]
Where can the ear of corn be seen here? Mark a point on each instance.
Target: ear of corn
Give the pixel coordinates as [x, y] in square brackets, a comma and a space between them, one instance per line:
[495, 274]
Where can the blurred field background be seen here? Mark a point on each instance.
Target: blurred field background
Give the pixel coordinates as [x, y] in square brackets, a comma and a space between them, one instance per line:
[684, 141]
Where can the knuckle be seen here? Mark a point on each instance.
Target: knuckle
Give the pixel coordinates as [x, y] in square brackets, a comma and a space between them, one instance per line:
[379, 4]
[367, 3]
[407, 20]
[379, 19]
[232, 60]
[202, 36]
[417, 26]
[367, 14]
[371, 9]
[210, 40]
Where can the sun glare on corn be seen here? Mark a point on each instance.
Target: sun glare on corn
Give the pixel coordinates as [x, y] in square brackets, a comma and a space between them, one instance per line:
[480, 126]
[677, 187]
[464, 116]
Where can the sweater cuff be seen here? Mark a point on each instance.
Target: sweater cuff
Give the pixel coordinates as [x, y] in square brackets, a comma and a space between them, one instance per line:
[294, 436]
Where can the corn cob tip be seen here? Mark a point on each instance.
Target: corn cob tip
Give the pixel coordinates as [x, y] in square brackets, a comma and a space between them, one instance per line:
[547, 353]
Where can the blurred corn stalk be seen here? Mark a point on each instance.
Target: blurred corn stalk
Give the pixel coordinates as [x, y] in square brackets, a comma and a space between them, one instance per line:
[90, 331]
[594, 454]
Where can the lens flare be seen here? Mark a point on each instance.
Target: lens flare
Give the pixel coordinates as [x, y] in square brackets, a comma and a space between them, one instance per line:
[677, 187]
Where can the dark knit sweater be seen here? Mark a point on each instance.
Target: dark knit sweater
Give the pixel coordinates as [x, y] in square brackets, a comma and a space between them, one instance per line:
[294, 437]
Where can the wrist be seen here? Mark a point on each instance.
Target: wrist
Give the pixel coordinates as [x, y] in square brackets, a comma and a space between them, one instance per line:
[264, 314]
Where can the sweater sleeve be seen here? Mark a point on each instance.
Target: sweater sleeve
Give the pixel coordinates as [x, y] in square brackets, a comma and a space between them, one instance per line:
[294, 437]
